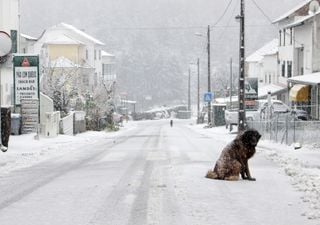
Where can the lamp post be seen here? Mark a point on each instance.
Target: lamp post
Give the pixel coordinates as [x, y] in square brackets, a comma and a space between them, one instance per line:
[209, 74]
[198, 88]
[198, 93]
[189, 95]
[209, 71]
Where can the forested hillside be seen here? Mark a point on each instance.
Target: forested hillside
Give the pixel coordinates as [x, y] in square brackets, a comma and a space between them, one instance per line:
[154, 40]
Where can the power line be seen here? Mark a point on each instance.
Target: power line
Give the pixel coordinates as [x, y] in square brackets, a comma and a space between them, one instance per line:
[262, 11]
[223, 14]
[268, 18]
[184, 27]
[228, 23]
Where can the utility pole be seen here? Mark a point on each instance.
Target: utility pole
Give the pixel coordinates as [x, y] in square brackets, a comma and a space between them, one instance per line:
[189, 97]
[242, 112]
[230, 106]
[198, 99]
[209, 76]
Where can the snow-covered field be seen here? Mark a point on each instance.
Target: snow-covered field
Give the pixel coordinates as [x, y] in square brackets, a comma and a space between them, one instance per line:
[301, 165]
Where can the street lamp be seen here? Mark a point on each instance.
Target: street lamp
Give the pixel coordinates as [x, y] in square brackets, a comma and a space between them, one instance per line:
[198, 89]
[209, 72]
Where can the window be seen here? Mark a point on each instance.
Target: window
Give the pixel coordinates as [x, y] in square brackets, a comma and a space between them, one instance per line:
[284, 37]
[265, 78]
[289, 69]
[95, 54]
[280, 34]
[270, 79]
[291, 36]
[99, 54]
[283, 69]
[87, 54]
[95, 79]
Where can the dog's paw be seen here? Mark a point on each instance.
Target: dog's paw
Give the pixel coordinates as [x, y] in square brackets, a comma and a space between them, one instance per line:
[211, 175]
[251, 179]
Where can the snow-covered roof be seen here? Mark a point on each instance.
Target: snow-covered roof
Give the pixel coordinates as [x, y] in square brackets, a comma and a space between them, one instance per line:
[62, 62]
[81, 33]
[62, 40]
[270, 48]
[104, 53]
[313, 79]
[273, 88]
[28, 37]
[292, 11]
[226, 100]
[301, 20]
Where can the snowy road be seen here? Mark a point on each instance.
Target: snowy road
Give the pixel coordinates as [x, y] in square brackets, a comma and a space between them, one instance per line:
[151, 175]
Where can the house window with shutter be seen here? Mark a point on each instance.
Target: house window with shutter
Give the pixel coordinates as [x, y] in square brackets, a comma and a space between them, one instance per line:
[283, 69]
[289, 69]
[280, 34]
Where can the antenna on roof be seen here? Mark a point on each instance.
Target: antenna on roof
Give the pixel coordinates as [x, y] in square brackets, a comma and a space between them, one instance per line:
[313, 7]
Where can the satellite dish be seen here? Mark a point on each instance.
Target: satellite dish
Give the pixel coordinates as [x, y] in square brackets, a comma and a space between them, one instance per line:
[5, 43]
[313, 7]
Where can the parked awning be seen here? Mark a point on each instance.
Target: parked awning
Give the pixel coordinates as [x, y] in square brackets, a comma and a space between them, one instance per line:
[299, 93]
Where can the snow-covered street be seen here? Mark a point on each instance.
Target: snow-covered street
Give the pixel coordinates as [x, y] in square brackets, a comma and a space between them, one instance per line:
[150, 173]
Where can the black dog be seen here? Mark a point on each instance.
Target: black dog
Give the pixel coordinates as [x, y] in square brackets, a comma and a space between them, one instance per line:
[234, 157]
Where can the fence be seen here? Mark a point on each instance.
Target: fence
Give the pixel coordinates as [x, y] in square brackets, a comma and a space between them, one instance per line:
[73, 124]
[286, 129]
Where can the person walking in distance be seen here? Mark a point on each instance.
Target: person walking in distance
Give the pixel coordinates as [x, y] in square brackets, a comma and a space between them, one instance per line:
[171, 123]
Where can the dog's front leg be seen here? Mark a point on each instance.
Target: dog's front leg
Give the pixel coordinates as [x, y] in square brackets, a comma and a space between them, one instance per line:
[247, 172]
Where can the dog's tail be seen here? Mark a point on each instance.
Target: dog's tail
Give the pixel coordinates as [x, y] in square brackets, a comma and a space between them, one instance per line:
[211, 175]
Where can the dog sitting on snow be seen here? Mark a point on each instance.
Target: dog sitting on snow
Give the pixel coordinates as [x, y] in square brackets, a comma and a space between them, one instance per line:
[233, 160]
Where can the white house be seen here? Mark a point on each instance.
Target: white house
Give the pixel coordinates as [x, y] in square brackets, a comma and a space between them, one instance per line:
[263, 64]
[74, 44]
[299, 54]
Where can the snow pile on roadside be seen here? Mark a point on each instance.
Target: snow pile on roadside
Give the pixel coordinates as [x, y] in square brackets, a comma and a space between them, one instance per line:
[25, 151]
[303, 166]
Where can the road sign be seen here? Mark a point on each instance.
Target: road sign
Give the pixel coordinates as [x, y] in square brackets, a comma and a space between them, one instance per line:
[208, 96]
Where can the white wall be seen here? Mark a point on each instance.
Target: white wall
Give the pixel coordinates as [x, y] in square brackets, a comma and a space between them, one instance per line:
[270, 65]
[8, 21]
[303, 36]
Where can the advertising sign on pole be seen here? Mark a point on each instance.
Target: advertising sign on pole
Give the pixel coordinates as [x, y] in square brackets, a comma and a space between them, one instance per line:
[250, 91]
[26, 78]
[26, 90]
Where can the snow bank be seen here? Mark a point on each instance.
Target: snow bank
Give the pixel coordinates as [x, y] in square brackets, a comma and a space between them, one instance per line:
[25, 151]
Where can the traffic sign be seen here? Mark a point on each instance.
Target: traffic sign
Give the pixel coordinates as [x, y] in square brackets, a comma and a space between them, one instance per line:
[208, 96]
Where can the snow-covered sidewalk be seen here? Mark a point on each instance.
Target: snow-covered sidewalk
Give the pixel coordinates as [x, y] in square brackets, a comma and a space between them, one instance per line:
[25, 151]
[301, 165]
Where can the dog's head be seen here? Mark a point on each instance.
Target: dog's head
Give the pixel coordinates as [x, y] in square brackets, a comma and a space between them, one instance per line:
[250, 137]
